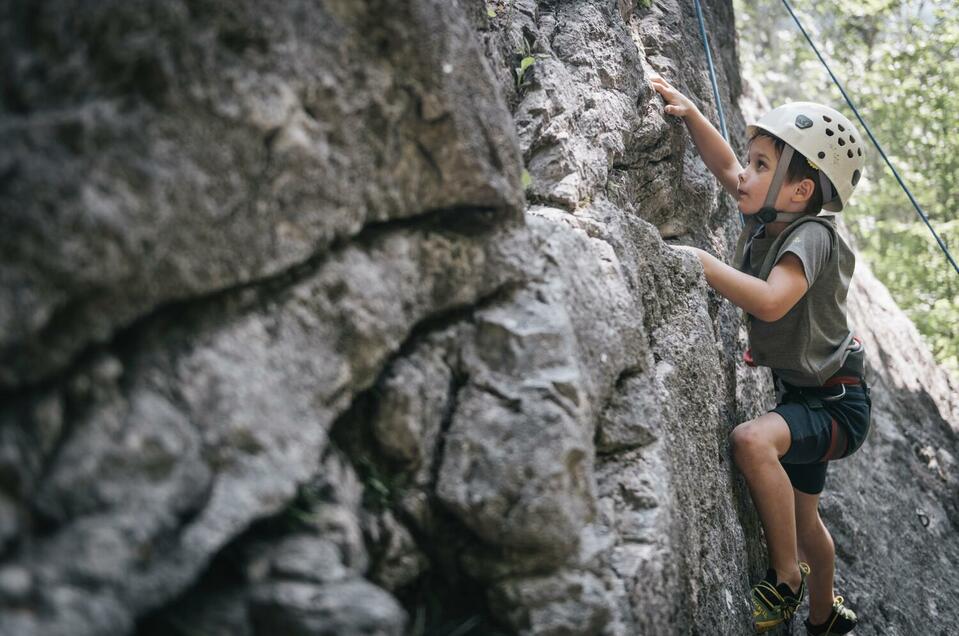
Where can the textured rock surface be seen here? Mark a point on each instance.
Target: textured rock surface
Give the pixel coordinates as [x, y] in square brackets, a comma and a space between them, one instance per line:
[284, 349]
[159, 151]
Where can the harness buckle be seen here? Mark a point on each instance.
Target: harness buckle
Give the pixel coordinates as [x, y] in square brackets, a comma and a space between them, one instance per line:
[834, 398]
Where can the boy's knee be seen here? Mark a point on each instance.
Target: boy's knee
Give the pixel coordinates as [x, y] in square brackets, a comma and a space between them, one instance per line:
[746, 441]
[751, 440]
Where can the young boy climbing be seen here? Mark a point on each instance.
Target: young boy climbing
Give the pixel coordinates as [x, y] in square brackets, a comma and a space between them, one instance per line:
[791, 277]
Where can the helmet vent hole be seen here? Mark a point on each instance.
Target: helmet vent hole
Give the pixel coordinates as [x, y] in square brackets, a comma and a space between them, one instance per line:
[849, 153]
[821, 155]
[830, 132]
[859, 151]
[826, 119]
[841, 129]
[855, 176]
[842, 142]
[852, 139]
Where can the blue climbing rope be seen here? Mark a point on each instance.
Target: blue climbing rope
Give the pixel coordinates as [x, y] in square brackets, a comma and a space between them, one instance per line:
[712, 72]
[712, 78]
[871, 136]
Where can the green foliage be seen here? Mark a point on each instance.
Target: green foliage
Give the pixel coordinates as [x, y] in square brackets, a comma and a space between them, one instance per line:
[899, 62]
[526, 60]
[380, 489]
[902, 253]
[524, 64]
[527, 179]
[300, 514]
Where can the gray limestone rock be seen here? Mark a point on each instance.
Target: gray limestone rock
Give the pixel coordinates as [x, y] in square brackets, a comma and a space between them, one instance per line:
[414, 396]
[163, 151]
[308, 558]
[563, 603]
[218, 425]
[304, 609]
[397, 560]
[631, 419]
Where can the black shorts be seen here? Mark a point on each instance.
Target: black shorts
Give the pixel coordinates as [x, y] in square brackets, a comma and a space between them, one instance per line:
[821, 431]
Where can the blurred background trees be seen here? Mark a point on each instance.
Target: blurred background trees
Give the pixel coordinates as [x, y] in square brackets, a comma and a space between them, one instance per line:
[899, 62]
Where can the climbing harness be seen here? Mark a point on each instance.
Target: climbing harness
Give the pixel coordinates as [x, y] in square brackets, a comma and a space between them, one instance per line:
[875, 142]
[831, 391]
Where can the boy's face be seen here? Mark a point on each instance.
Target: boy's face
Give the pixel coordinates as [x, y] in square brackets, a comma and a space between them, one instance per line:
[756, 176]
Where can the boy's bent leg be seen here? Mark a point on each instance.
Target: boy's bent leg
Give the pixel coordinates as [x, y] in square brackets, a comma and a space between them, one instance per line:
[817, 548]
[757, 446]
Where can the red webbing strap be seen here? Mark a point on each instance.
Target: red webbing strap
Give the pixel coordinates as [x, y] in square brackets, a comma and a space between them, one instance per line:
[842, 379]
[837, 443]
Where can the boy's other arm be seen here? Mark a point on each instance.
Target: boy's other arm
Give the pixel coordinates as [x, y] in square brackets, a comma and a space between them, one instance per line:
[770, 299]
[714, 150]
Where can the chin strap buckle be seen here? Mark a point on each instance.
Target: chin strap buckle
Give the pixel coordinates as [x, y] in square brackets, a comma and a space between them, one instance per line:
[767, 214]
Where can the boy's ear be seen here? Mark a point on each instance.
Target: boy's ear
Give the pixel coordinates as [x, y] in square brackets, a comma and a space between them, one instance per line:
[804, 190]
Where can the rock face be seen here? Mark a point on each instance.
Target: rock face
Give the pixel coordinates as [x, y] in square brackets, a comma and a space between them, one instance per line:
[286, 348]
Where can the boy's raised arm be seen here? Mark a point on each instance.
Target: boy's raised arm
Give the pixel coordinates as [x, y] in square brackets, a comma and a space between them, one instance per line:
[714, 150]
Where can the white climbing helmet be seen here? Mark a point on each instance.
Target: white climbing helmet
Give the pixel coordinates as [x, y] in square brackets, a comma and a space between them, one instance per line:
[825, 137]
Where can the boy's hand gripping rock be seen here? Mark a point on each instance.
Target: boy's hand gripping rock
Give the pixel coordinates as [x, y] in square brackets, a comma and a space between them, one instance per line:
[676, 103]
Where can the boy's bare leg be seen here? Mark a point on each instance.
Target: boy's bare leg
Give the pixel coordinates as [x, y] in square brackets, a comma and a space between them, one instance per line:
[816, 546]
[757, 447]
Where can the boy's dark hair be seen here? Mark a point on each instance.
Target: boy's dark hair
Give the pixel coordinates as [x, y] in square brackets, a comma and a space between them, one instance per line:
[798, 170]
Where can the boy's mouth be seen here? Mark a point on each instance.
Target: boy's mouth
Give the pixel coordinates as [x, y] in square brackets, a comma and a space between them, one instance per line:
[741, 193]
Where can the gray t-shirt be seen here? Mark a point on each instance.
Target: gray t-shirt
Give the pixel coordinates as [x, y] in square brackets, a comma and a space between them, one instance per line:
[810, 343]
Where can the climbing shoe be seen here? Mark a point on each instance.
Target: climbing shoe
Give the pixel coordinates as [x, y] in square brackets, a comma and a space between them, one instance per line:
[841, 620]
[775, 604]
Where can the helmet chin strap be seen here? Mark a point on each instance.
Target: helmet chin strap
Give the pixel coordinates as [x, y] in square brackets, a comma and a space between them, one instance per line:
[826, 185]
[768, 213]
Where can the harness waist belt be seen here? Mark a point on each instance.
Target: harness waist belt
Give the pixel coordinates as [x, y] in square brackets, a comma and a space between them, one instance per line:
[848, 380]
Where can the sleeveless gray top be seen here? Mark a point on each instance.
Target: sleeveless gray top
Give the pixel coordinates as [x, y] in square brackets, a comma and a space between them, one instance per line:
[810, 343]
